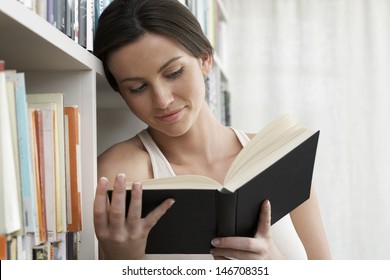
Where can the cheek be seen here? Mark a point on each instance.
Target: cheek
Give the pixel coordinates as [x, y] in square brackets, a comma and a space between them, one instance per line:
[194, 87]
[138, 106]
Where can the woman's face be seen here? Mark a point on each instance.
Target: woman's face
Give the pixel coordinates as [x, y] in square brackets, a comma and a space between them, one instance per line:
[161, 82]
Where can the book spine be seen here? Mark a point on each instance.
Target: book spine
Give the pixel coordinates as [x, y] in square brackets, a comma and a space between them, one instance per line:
[50, 12]
[41, 174]
[69, 18]
[9, 202]
[72, 168]
[90, 24]
[226, 214]
[25, 158]
[59, 10]
[82, 23]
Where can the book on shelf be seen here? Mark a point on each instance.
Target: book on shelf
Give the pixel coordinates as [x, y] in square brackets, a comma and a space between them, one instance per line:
[90, 24]
[10, 76]
[49, 168]
[37, 100]
[3, 247]
[73, 168]
[29, 158]
[60, 250]
[10, 221]
[100, 5]
[70, 18]
[277, 164]
[72, 245]
[39, 166]
[82, 15]
[27, 176]
[42, 252]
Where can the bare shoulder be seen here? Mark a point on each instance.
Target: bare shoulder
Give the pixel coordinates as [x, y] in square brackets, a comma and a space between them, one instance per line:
[128, 157]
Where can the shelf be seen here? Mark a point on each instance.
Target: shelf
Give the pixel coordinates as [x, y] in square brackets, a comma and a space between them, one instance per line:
[53, 62]
[35, 51]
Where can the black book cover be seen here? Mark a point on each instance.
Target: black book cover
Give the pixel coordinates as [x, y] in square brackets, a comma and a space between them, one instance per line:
[200, 215]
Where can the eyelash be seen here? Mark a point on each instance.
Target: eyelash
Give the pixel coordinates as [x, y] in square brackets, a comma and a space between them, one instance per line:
[176, 74]
[172, 76]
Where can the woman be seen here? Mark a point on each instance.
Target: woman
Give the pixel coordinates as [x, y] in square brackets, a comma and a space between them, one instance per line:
[155, 55]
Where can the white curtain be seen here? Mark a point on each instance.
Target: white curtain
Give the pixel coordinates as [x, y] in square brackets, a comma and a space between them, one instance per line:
[328, 63]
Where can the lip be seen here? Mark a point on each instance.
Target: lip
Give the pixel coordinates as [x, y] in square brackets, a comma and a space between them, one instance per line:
[171, 116]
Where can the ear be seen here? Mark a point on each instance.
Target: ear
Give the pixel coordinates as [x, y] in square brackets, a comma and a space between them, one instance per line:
[206, 63]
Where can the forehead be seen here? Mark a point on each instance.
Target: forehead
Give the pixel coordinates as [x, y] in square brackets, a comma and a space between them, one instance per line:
[150, 49]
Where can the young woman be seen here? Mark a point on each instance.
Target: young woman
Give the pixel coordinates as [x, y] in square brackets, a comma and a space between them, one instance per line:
[155, 55]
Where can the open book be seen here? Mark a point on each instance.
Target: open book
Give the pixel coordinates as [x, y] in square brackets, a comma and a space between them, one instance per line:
[277, 164]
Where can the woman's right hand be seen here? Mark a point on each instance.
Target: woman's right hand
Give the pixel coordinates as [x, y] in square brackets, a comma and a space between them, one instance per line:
[122, 237]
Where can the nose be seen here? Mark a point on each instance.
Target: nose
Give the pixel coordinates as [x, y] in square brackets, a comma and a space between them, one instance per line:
[162, 96]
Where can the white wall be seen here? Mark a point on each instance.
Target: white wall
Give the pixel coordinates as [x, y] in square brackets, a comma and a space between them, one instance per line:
[328, 63]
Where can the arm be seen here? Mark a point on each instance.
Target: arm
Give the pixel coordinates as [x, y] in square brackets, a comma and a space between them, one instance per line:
[308, 224]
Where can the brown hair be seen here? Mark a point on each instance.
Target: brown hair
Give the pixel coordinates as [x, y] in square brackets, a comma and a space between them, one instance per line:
[125, 21]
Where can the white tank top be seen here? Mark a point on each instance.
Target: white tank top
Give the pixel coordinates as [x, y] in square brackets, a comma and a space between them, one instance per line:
[283, 231]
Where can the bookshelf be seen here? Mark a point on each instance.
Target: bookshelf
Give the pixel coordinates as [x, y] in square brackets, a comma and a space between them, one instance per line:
[213, 17]
[52, 62]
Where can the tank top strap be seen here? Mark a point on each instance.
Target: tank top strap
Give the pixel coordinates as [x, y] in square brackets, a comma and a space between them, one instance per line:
[160, 165]
[242, 136]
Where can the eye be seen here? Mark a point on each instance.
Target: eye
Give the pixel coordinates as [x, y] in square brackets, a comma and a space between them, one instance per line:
[175, 74]
[138, 90]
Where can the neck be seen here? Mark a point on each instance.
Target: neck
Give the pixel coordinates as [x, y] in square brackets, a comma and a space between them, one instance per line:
[200, 141]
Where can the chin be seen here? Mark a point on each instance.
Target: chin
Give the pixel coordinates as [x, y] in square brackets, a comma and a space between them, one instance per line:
[172, 130]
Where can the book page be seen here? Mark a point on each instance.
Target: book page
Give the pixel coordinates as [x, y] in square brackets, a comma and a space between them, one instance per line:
[269, 145]
[180, 182]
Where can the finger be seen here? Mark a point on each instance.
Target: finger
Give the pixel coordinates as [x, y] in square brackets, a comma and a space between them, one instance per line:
[264, 226]
[118, 202]
[100, 216]
[152, 218]
[238, 243]
[135, 208]
[231, 254]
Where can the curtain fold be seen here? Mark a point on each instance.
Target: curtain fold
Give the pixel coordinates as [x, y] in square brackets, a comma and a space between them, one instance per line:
[328, 63]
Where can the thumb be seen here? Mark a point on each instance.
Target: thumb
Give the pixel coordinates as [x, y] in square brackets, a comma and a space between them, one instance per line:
[264, 225]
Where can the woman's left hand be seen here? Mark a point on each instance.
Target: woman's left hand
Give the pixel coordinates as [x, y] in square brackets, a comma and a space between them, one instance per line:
[261, 246]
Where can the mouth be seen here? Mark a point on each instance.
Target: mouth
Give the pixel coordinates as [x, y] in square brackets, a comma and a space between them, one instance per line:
[171, 116]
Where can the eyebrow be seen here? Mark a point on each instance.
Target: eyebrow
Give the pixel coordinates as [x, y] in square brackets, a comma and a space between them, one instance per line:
[164, 66]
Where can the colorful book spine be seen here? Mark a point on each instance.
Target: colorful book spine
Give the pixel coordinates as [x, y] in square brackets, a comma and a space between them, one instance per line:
[73, 172]
[9, 197]
[27, 175]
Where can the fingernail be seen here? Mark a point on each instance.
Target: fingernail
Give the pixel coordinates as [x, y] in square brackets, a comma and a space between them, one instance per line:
[103, 181]
[215, 242]
[171, 202]
[136, 186]
[121, 178]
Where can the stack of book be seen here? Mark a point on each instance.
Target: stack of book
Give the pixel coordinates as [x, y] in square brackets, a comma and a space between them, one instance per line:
[40, 213]
[75, 18]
